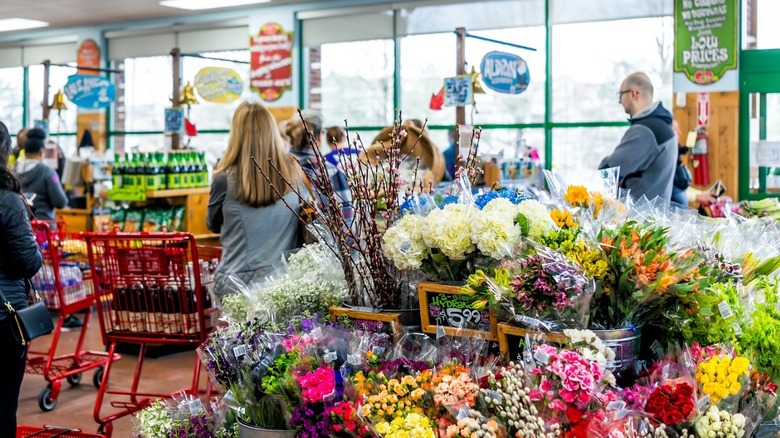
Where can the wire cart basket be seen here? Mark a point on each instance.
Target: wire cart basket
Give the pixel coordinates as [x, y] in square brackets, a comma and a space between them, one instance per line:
[152, 288]
[65, 286]
[52, 432]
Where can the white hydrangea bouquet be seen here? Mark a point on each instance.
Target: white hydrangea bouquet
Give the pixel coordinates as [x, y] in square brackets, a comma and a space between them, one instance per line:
[454, 240]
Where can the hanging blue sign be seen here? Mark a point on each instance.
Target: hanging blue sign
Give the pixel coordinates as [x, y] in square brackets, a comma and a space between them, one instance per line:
[90, 91]
[505, 73]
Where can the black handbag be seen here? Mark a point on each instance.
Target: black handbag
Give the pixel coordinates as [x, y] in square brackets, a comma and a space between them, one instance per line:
[31, 322]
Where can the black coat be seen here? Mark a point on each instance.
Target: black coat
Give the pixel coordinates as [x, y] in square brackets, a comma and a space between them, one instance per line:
[20, 257]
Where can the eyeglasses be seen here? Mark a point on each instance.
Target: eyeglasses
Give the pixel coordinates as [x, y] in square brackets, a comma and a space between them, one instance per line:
[621, 93]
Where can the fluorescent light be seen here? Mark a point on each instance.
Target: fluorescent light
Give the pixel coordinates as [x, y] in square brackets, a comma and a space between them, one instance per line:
[9, 24]
[197, 5]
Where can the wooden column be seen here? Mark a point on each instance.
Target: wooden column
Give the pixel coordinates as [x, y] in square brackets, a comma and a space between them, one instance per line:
[175, 101]
[722, 136]
[460, 111]
[46, 107]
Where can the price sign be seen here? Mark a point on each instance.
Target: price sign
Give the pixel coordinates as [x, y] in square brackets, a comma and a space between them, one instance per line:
[512, 341]
[458, 91]
[448, 308]
[371, 322]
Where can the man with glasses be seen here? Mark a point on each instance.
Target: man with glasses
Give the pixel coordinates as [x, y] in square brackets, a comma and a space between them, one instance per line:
[647, 153]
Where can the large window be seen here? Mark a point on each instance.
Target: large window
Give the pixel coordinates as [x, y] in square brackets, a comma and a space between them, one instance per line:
[11, 94]
[62, 123]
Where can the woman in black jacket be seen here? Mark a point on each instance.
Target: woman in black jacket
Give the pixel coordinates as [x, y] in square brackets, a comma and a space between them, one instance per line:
[20, 259]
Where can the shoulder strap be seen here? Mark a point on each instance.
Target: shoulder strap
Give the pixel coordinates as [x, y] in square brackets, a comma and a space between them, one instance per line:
[6, 302]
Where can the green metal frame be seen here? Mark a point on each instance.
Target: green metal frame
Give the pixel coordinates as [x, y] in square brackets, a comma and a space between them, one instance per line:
[759, 73]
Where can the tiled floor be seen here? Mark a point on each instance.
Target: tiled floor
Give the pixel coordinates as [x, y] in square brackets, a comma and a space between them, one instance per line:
[76, 404]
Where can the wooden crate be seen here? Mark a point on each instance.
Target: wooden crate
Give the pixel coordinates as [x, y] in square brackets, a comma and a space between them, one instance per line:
[373, 322]
[457, 320]
[511, 340]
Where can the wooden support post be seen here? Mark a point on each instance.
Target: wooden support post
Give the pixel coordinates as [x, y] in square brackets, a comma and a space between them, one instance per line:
[46, 106]
[460, 111]
[176, 54]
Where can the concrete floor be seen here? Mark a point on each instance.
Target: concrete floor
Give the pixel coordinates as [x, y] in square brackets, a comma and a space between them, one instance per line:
[76, 404]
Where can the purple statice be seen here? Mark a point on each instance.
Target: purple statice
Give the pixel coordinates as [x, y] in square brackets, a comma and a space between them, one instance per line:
[198, 426]
[311, 421]
[403, 366]
[224, 351]
[484, 317]
[434, 310]
[542, 287]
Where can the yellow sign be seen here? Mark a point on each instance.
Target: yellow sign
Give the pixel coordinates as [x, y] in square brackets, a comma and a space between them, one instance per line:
[218, 84]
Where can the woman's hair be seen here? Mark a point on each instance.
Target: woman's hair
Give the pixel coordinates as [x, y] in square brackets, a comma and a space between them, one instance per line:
[296, 132]
[8, 180]
[334, 134]
[35, 141]
[253, 133]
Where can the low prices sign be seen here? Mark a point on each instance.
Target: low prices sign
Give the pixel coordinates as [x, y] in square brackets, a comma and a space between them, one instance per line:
[270, 70]
[705, 39]
[91, 92]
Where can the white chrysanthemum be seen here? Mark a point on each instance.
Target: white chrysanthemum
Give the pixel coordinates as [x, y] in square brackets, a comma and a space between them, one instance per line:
[403, 242]
[539, 221]
[493, 229]
[449, 230]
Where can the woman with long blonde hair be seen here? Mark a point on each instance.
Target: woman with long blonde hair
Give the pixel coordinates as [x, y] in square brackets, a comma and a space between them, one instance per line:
[255, 225]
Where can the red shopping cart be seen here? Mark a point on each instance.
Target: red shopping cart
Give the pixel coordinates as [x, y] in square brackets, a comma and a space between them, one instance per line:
[151, 288]
[52, 432]
[64, 284]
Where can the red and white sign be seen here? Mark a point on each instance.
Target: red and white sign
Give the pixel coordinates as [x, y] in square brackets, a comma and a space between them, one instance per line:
[89, 56]
[702, 109]
[270, 70]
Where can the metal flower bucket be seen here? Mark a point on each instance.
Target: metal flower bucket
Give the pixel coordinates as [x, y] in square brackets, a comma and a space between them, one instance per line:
[247, 431]
[625, 343]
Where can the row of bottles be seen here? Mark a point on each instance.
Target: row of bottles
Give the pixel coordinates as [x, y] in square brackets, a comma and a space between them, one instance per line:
[160, 171]
[159, 305]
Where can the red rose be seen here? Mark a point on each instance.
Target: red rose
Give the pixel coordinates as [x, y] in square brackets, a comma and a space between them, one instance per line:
[337, 428]
[573, 415]
[686, 408]
[673, 418]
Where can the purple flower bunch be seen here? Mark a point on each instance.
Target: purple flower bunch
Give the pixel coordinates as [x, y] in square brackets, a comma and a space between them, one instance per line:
[311, 420]
[198, 426]
[540, 286]
[223, 352]
[402, 366]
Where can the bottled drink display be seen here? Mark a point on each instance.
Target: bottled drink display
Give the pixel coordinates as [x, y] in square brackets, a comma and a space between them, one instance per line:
[161, 171]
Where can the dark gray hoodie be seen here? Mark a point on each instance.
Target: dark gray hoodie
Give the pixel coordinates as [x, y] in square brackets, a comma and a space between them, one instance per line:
[42, 180]
[647, 154]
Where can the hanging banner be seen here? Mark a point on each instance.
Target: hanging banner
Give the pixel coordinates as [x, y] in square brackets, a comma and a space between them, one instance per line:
[270, 70]
[91, 92]
[705, 39]
[218, 85]
[88, 55]
[504, 73]
[458, 91]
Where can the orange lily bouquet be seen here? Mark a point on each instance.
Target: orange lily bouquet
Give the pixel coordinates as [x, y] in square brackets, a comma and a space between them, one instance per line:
[649, 275]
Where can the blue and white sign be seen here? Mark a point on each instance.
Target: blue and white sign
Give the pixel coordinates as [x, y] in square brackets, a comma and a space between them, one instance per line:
[458, 91]
[174, 119]
[504, 73]
[90, 91]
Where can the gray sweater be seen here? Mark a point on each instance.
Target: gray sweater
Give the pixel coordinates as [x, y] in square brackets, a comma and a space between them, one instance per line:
[647, 154]
[42, 180]
[253, 239]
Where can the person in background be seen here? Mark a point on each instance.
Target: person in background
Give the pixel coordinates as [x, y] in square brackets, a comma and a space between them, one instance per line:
[647, 153]
[450, 159]
[302, 148]
[682, 192]
[20, 259]
[254, 224]
[39, 179]
[337, 141]
[21, 138]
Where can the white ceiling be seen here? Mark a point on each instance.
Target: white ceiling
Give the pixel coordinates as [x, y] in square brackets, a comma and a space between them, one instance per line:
[67, 13]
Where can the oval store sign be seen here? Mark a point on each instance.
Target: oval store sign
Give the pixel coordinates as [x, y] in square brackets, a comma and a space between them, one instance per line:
[505, 73]
[218, 85]
[270, 71]
[89, 91]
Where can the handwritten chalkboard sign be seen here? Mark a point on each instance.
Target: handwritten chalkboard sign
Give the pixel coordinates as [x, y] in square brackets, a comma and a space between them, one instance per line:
[371, 322]
[512, 340]
[447, 307]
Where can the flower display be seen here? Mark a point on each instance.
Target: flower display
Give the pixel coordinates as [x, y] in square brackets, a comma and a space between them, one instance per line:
[453, 387]
[566, 379]
[318, 385]
[512, 196]
[721, 377]
[534, 219]
[494, 230]
[449, 230]
[344, 420]
[412, 425]
[563, 219]
[716, 320]
[403, 242]
[671, 403]
[720, 423]
[471, 423]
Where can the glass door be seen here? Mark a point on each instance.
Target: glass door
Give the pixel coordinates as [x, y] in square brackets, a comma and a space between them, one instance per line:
[759, 156]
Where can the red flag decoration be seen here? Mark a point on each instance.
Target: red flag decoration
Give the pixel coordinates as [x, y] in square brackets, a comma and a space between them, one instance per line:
[190, 129]
[437, 100]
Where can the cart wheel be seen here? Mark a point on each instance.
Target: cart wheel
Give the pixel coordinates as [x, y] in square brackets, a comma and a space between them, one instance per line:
[106, 429]
[74, 379]
[98, 377]
[44, 400]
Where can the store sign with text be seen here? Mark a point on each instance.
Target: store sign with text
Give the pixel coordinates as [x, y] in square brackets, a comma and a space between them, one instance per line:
[89, 91]
[458, 91]
[218, 84]
[88, 56]
[504, 73]
[705, 39]
[270, 70]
